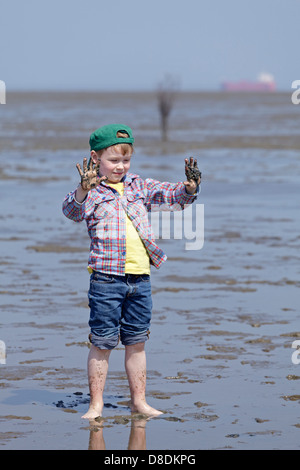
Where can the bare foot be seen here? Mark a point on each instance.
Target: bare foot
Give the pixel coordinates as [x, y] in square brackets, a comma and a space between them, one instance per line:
[93, 412]
[145, 409]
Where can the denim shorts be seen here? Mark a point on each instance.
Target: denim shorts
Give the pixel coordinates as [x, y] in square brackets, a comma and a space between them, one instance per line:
[120, 307]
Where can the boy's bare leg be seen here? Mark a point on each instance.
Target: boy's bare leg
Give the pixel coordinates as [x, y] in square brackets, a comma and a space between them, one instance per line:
[97, 372]
[135, 365]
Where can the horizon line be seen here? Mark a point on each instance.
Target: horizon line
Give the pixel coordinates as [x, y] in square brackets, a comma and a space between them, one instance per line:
[133, 90]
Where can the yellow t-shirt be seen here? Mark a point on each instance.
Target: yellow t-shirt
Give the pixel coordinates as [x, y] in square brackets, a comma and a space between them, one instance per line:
[137, 258]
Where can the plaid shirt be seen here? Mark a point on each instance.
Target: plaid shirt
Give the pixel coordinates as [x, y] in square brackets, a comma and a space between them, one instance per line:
[103, 210]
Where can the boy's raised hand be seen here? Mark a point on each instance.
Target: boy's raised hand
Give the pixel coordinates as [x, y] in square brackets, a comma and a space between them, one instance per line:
[192, 174]
[89, 174]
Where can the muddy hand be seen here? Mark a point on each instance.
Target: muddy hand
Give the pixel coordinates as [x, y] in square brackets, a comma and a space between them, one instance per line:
[89, 174]
[193, 174]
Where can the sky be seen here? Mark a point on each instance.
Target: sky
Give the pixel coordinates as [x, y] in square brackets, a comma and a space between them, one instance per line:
[133, 44]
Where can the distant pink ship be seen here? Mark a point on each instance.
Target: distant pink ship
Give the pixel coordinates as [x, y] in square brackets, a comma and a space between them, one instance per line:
[265, 82]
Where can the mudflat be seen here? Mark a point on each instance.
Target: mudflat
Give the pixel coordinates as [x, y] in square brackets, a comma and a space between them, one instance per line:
[222, 355]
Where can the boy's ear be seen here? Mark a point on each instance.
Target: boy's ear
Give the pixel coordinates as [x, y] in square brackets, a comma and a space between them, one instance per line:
[94, 156]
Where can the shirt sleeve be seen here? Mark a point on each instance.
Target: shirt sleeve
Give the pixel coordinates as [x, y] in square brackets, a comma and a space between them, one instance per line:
[171, 195]
[75, 210]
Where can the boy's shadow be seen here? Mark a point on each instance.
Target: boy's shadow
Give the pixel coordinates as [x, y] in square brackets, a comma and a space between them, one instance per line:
[137, 438]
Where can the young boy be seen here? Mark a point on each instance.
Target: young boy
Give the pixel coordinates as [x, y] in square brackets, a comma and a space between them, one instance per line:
[114, 203]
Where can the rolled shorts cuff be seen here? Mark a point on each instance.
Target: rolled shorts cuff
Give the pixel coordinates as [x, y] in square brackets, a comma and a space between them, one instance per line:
[104, 343]
[128, 340]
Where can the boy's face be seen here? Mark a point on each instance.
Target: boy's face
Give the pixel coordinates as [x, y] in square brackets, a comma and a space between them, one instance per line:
[113, 163]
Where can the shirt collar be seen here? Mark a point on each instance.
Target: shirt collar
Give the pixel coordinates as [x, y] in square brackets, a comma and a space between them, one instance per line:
[127, 180]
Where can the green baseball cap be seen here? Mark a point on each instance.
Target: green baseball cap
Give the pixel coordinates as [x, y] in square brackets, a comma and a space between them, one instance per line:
[107, 135]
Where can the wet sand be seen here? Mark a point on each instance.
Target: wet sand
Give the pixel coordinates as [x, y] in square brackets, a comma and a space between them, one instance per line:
[224, 318]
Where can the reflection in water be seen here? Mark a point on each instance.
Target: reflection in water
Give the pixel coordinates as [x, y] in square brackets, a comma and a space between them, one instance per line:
[137, 438]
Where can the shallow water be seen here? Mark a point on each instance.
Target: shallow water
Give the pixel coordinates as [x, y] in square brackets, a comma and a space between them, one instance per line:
[224, 317]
